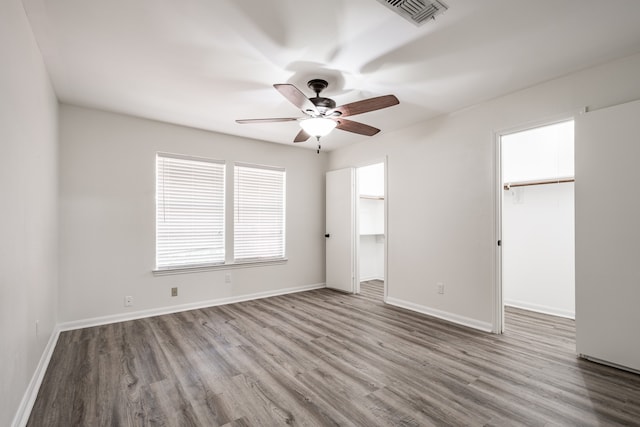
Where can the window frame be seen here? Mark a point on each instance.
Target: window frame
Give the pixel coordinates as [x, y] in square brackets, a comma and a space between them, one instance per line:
[229, 186]
[283, 231]
[160, 204]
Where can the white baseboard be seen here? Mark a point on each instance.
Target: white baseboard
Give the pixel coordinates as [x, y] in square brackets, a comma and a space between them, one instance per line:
[364, 279]
[450, 317]
[24, 410]
[26, 405]
[607, 363]
[105, 320]
[554, 311]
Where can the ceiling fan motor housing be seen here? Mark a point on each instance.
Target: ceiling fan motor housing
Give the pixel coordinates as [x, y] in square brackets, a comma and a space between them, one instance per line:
[321, 103]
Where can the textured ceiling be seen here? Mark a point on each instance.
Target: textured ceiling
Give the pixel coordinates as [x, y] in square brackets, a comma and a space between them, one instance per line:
[204, 63]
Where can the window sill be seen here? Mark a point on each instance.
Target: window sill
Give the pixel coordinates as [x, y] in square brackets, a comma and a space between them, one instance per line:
[213, 267]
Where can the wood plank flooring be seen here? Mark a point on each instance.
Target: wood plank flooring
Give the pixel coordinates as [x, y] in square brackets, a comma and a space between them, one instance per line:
[325, 358]
[373, 290]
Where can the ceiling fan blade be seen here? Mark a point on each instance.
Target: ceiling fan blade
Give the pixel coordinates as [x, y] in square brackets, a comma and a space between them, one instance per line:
[296, 97]
[366, 105]
[302, 136]
[356, 127]
[274, 120]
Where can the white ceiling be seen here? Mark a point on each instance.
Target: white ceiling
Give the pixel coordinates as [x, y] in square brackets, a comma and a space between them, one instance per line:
[205, 63]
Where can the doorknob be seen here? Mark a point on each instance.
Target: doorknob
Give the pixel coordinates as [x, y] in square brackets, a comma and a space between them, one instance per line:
[327, 235]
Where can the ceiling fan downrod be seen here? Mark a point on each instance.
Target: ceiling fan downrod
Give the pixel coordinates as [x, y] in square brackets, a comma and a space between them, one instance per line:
[322, 104]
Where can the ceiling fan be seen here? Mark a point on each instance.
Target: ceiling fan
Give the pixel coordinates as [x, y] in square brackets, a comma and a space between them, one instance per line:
[322, 115]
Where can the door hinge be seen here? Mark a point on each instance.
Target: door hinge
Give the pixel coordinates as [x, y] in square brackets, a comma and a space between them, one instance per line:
[499, 242]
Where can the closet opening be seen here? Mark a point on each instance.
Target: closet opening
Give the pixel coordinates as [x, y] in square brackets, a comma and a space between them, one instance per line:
[371, 239]
[537, 222]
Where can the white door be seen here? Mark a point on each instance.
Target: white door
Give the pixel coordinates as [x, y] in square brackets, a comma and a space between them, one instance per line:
[608, 235]
[340, 230]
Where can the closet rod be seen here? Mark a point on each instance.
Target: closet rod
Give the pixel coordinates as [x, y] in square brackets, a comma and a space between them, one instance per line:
[510, 185]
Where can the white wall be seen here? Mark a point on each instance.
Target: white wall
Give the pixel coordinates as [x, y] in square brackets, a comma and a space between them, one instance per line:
[371, 222]
[371, 252]
[371, 180]
[28, 214]
[538, 227]
[543, 152]
[441, 189]
[107, 185]
[538, 250]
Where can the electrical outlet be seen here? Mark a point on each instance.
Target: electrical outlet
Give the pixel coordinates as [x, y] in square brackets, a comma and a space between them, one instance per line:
[128, 301]
[227, 278]
[174, 292]
[440, 287]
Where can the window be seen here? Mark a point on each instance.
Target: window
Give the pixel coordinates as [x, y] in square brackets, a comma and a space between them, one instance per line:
[189, 212]
[258, 216]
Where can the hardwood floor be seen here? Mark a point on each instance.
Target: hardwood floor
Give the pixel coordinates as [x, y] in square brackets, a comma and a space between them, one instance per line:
[373, 290]
[326, 358]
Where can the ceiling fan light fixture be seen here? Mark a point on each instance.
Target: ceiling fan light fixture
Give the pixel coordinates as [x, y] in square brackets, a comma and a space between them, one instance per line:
[318, 126]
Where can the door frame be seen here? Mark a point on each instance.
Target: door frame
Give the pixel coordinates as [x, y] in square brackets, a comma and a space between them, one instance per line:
[384, 161]
[498, 196]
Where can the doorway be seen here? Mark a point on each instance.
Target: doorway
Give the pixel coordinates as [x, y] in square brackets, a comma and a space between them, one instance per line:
[371, 237]
[536, 220]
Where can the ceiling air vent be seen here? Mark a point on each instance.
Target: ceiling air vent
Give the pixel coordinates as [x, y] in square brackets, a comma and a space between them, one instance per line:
[416, 11]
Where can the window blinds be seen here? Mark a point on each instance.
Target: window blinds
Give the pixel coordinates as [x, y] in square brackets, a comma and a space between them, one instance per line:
[189, 211]
[259, 215]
